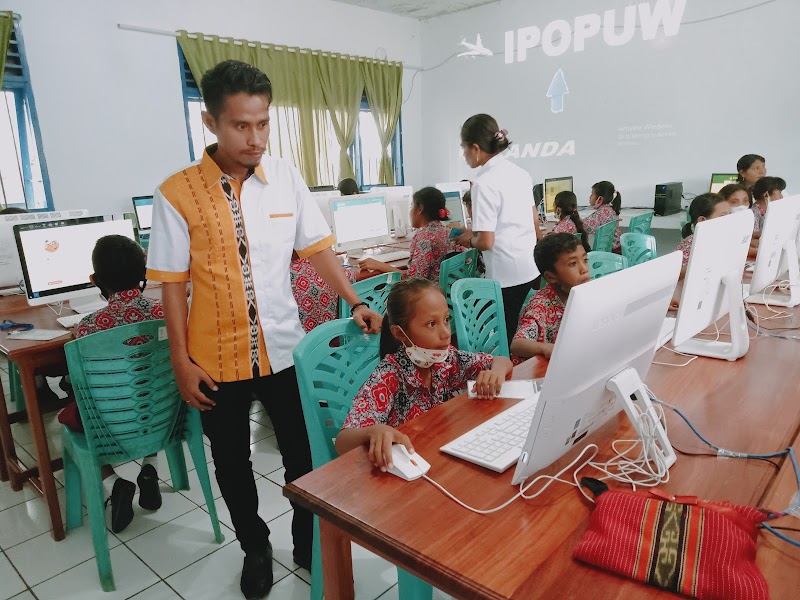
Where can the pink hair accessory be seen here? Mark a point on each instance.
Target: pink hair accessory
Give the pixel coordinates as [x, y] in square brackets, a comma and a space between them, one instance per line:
[501, 135]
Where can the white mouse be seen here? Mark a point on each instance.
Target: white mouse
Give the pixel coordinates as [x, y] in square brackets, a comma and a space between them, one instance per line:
[407, 466]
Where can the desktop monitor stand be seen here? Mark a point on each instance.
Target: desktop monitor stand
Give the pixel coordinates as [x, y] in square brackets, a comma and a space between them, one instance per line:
[632, 394]
[772, 296]
[740, 339]
[87, 304]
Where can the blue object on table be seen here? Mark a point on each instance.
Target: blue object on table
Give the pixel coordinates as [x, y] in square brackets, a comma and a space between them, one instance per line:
[9, 326]
[455, 232]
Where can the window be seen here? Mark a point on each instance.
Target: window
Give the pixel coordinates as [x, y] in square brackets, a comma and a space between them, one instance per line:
[365, 152]
[23, 172]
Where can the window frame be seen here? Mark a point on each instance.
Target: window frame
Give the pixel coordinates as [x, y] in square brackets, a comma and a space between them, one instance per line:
[27, 120]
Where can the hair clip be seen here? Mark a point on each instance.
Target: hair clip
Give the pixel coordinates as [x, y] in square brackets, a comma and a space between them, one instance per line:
[500, 135]
[443, 212]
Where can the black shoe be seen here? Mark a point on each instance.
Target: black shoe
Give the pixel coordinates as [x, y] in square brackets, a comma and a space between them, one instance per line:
[121, 504]
[303, 562]
[149, 490]
[257, 574]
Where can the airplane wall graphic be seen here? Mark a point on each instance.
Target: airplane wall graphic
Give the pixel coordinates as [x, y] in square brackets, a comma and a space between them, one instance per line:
[476, 49]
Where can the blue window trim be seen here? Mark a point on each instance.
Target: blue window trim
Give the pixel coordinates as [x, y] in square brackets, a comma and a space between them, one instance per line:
[25, 105]
[191, 93]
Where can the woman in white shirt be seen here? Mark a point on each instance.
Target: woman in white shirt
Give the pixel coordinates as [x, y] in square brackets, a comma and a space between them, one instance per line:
[504, 225]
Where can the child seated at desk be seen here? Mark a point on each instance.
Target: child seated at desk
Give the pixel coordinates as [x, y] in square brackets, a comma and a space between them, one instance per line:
[608, 203]
[317, 303]
[765, 190]
[419, 370]
[119, 270]
[562, 260]
[704, 206]
[569, 220]
[431, 241]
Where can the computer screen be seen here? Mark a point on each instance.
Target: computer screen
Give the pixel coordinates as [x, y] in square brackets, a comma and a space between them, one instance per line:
[10, 267]
[322, 188]
[143, 206]
[360, 221]
[777, 255]
[323, 200]
[454, 199]
[56, 256]
[398, 204]
[720, 180]
[553, 187]
[623, 312]
[369, 186]
[712, 287]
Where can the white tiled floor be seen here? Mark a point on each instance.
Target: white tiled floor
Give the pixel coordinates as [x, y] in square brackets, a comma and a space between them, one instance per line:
[167, 554]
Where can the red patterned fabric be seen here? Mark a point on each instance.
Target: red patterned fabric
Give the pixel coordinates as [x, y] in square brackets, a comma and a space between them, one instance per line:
[565, 225]
[686, 248]
[395, 392]
[758, 224]
[540, 318]
[429, 246]
[317, 303]
[702, 549]
[604, 214]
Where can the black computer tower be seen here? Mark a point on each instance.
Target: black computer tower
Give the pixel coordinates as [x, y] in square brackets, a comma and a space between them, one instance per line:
[668, 198]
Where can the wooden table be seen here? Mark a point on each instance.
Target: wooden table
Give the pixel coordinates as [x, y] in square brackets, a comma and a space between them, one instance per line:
[525, 550]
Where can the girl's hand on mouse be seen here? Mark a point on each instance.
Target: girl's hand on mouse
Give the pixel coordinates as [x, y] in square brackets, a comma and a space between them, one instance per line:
[488, 384]
[381, 438]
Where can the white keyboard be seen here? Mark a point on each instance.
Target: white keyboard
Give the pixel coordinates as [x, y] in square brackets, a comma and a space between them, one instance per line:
[667, 329]
[71, 320]
[386, 257]
[497, 443]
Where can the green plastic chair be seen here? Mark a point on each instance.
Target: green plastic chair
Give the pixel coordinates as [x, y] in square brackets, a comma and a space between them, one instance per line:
[329, 375]
[638, 248]
[641, 223]
[605, 263]
[130, 407]
[16, 396]
[462, 266]
[604, 237]
[479, 317]
[373, 291]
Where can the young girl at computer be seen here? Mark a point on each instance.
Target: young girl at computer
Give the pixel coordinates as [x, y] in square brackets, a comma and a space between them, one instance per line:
[569, 220]
[419, 370]
[562, 260]
[431, 241]
[751, 168]
[703, 207]
[765, 190]
[317, 303]
[737, 196]
[608, 203]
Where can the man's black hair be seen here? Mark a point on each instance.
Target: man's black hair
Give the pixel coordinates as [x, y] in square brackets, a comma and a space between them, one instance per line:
[119, 264]
[232, 77]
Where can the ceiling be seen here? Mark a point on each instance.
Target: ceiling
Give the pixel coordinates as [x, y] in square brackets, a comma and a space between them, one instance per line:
[419, 9]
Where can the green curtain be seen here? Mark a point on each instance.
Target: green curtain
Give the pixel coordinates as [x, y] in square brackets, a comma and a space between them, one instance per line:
[384, 85]
[342, 86]
[6, 27]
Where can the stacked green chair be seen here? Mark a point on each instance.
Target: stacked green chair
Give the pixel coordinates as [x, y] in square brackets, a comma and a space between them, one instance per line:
[461, 266]
[329, 376]
[479, 318]
[373, 291]
[130, 407]
[15, 387]
[641, 223]
[604, 237]
[605, 263]
[638, 248]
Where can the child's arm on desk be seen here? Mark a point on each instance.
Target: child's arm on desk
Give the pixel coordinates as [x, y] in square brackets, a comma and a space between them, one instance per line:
[370, 264]
[379, 440]
[525, 348]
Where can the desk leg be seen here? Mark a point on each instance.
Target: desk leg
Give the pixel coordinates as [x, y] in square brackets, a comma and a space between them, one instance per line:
[5, 435]
[337, 562]
[26, 373]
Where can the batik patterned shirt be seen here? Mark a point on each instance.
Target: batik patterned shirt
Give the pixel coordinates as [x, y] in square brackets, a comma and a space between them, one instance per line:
[540, 318]
[604, 214]
[565, 225]
[758, 225]
[429, 246]
[685, 247]
[395, 392]
[124, 308]
[317, 303]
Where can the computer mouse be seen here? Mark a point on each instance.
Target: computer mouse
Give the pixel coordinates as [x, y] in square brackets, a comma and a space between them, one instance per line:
[407, 466]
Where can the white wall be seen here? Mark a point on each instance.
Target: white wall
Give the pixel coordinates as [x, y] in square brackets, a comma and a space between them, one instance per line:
[109, 101]
[723, 86]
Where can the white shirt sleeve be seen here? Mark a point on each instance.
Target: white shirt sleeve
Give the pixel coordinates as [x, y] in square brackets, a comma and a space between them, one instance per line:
[485, 208]
[313, 233]
[168, 251]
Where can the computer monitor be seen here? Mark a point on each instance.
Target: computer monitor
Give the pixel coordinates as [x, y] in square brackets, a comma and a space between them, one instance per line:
[360, 221]
[777, 255]
[553, 187]
[603, 352]
[398, 204]
[322, 188]
[369, 186]
[720, 180]
[712, 287]
[10, 267]
[454, 199]
[56, 257]
[323, 200]
[143, 207]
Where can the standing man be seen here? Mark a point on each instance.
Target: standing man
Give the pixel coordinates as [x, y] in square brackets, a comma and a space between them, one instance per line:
[229, 223]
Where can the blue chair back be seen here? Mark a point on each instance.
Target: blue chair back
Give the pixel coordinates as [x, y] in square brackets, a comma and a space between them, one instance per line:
[479, 316]
[605, 263]
[641, 223]
[638, 248]
[462, 266]
[604, 237]
[373, 291]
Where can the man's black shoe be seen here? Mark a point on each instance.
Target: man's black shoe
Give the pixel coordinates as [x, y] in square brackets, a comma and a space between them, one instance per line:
[121, 504]
[302, 561]
[149, 492]
[257, 574]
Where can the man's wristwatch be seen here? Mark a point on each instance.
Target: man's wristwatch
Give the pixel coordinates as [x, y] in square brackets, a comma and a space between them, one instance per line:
[355, 306]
